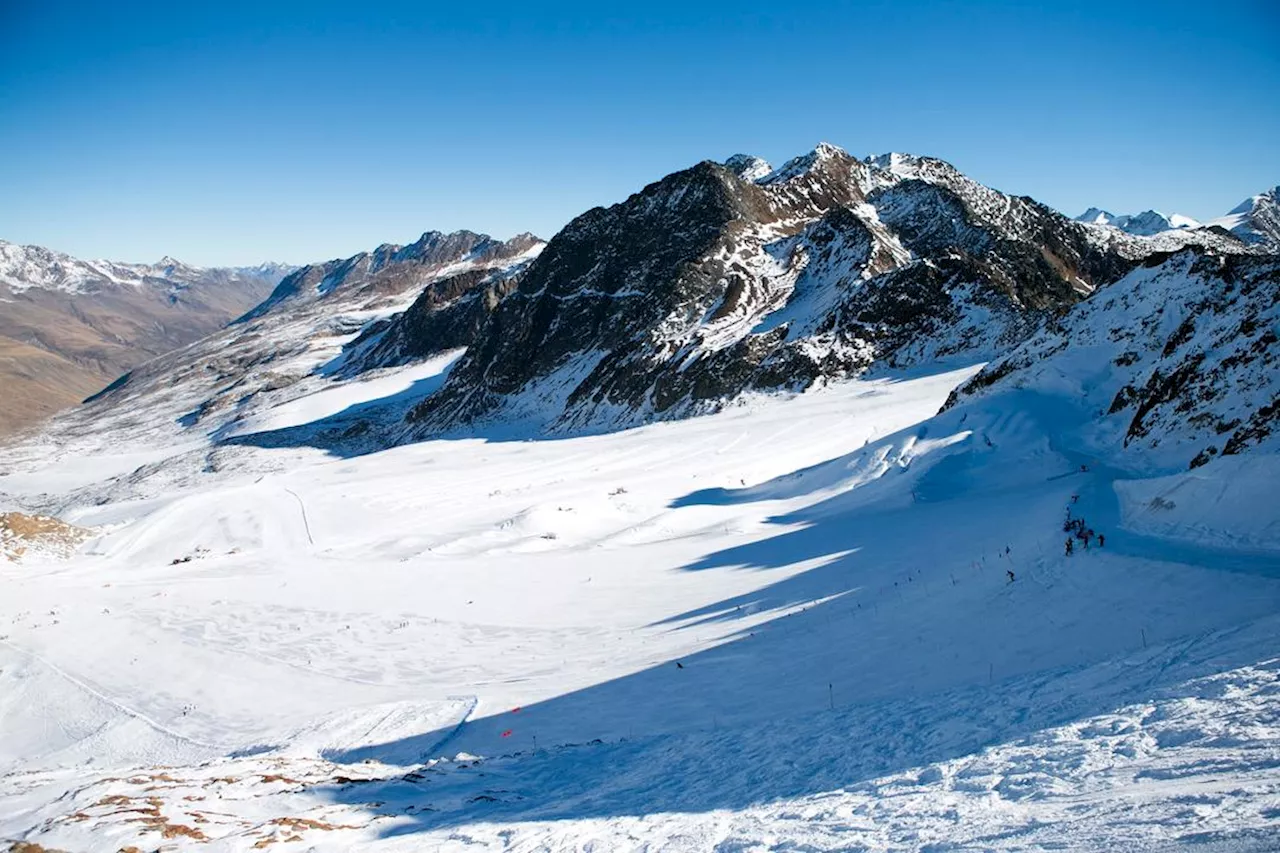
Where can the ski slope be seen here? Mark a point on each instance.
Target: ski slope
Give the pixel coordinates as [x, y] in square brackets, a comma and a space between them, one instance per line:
[832, 621]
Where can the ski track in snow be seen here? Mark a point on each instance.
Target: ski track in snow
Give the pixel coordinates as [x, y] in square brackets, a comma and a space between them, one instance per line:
[474, 644]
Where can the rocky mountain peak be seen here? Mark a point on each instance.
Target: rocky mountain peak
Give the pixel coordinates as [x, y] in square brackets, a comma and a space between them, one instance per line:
[822, 155]
[524, 241]
[747, 167]
[711, 282]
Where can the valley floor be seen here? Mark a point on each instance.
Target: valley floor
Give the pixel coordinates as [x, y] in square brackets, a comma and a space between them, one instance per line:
[829, 622]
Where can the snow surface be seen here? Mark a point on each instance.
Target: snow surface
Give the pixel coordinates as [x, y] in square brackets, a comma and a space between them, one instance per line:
[348, 396]
[784, 626]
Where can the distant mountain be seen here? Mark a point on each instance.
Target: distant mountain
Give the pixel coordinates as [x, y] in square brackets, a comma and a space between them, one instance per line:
[1147, 223]
[69, 326]
[324, 322]
[1255, 221]
[392, 269]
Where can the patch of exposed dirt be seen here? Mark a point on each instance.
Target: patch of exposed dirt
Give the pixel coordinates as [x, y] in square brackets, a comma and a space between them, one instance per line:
[308, 823]
[133, 810]
[28, 847]
[22, 534]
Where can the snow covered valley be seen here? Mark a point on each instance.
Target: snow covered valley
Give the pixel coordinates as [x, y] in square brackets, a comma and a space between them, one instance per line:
[832, 621]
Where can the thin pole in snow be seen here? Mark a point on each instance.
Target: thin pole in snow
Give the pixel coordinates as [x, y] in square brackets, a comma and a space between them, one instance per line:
[831, 696]
[305, 524]
[1144, 637]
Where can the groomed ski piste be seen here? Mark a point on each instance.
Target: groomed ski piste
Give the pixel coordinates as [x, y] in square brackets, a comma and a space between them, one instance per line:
[834, 621]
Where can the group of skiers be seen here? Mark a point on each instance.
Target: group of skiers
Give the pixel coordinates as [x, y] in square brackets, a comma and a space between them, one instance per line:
[1079, 530]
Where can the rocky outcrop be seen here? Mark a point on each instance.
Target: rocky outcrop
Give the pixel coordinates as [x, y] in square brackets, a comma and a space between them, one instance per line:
[447, 315]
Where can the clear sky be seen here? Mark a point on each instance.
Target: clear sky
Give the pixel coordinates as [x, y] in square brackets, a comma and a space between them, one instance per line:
[232, 132]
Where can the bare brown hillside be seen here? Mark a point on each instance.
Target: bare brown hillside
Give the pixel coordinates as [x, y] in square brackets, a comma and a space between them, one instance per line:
[70, 327]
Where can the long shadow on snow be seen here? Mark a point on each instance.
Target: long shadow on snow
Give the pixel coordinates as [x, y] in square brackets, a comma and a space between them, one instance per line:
[739, 766]
[904, 644]
[358, 430]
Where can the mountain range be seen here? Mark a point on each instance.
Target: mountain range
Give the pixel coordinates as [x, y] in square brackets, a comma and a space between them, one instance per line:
[68, 327]
[1254, 220]
[715, 282]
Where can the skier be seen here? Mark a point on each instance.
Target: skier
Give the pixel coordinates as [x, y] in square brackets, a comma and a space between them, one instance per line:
[1102, 540]
[1070, 547]
[1010, 574]
[1086, 536]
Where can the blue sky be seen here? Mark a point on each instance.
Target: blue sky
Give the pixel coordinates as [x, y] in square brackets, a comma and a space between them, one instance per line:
[237, 132]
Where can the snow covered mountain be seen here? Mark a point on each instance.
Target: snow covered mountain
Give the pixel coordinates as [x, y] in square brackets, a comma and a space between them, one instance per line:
[702, 288]
[1147, 223]
[23, 268]
[1255, 220]
[70, 326]
[391, 270]
[724, 279]
[1179, 358]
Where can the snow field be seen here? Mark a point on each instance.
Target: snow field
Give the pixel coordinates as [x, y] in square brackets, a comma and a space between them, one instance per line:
[830, 573]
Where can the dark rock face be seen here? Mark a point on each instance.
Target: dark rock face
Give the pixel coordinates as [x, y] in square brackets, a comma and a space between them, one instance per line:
[1046, 262]
[449, 314]
[708, 284]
